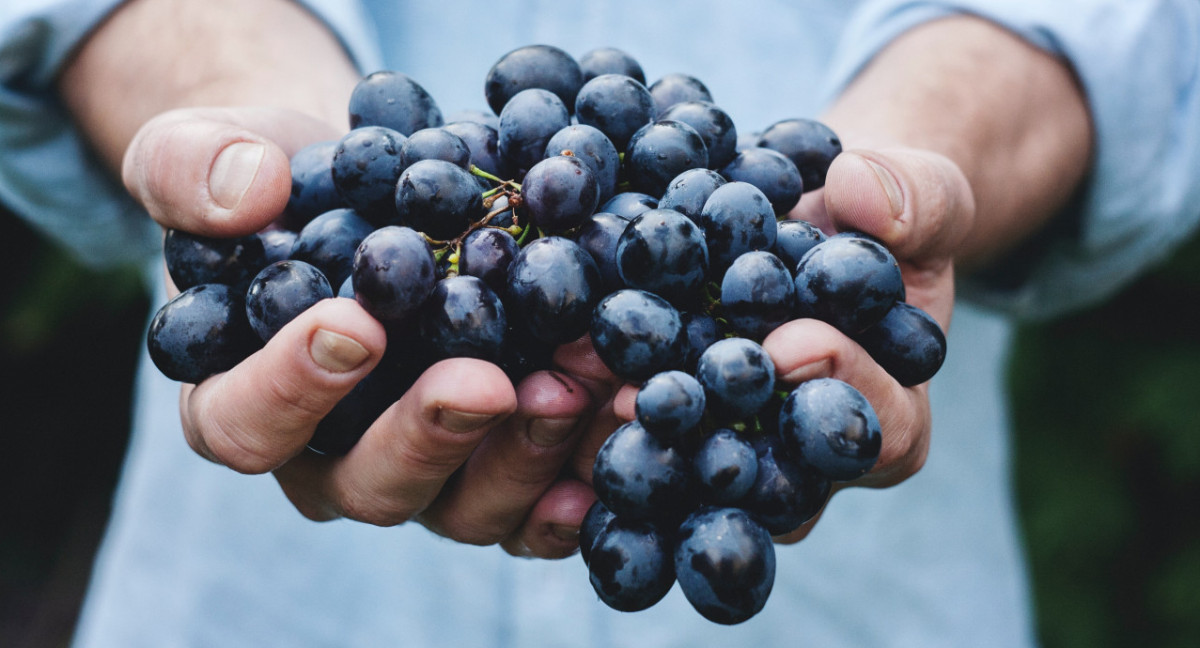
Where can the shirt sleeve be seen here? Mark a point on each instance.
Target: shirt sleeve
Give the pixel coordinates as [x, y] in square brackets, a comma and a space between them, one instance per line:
[1139, 66]
[48, 174]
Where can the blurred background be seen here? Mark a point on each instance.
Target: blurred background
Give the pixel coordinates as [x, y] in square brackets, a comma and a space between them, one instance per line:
[1107, 453]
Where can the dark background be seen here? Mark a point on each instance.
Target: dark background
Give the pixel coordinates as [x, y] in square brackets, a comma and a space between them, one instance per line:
[1107, 449]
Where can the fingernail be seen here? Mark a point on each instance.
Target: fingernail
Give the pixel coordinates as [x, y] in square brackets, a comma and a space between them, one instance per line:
[549, 432]
[890, 187]
[336, 352]
[818, 369]
[233, 171]
[564, 532]
[457, 421]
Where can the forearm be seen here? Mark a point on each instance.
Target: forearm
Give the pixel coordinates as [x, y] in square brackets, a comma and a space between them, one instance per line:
[151, 56]
[1010, 116]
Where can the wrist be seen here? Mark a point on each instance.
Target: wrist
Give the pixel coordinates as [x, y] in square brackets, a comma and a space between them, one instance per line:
[151, 56]
[1011, 116]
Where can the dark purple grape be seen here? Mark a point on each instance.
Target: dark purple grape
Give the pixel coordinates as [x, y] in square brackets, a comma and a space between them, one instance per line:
[486, 253]
[393, 273]
[366, 165]
[559, 193]
[849, 282]
[637, 334]
[661, 150]
[738, 378]
[809, 144]
[524, 354]
[527, 123]
[484, 117]
[663, 252]
[610, 60]
[393, 100]
[599, 236]
[669, 405]
[277, 243]
[483, 141]
[594, 149]
[631, 566]
[435, 144]
[795, 238]
[345, 424]
[702, 331]
[714, 125]
[202, 331]
[281, 292]
[313, 191]
[329, 242]
[676, 88]
[688, 192]
[615, 104]
[772, 172]
[829, 426]
[908, 343]
[553, 285]
[724, 467]
[463, 318]
[736, 218]
[629, 204]
[640, 479]
[438, 198]
[784, 495]
[193, 260]
[757, 294]
[594, 522]
[533, 66]
[725, 564]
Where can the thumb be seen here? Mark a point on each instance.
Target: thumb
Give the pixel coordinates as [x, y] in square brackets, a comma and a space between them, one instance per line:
[216, 171]
[917, 202]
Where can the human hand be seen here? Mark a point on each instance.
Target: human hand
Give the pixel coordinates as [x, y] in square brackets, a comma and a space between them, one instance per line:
[470, 464]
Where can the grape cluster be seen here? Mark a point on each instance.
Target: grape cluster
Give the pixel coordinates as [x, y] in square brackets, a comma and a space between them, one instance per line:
[587, 203]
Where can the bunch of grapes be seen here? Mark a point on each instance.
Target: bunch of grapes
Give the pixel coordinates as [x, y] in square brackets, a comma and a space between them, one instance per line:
[587, 203]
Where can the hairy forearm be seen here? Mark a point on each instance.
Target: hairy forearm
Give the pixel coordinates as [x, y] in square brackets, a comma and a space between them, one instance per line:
[1010, 116]
[151, 56]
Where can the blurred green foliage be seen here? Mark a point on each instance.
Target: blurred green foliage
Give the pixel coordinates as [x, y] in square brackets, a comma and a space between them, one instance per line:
[1108, 464]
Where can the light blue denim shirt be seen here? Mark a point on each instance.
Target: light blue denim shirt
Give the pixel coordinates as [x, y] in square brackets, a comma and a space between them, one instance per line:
[197, 555]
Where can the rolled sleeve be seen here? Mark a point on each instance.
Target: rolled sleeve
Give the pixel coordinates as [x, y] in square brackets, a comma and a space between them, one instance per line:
[48, 174]
[1139, 66]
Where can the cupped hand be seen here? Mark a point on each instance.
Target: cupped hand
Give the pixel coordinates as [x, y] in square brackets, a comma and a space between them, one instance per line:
[463, 451]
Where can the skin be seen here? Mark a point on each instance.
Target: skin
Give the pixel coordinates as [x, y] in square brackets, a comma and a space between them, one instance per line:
[940, 128]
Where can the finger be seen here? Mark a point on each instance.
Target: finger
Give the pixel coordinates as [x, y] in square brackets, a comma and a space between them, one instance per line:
[514, 464]
[262, 412]
[552, 528]
[217, 172]
[407, 455]
[805, 349]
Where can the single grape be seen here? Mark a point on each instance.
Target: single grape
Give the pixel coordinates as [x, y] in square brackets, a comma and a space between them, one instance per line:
[616, 105]
[594, 149]
[772, 172]
[393, 272]
[908, 343]
[631, 566]
[329, 242]
[725, 467]
[483, 142]
[850, 282]
[688, 191]
[393, 100]
[676, 88]
[532, 66]
[527, 123]
[738, 378]
[784, 495]
[200, 332]
[277, 243]
[725, 564]
[594, 522]
[281, 292]
[629, 204]
[610, 60]
[486, 253]
[828, 425]
[701, 330]
[809, 144]
[438, 198]
[737, 218]
[637, 334]
[434, 144]
[794, 239]
[559, 193]
[313, 191]
[464, 318]
[757, 294]
[663, 252]
[366, 165]
[599, 235]
[661, 150]
[193, 260]
[640, 479]
[553, 285]
[669, 405]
